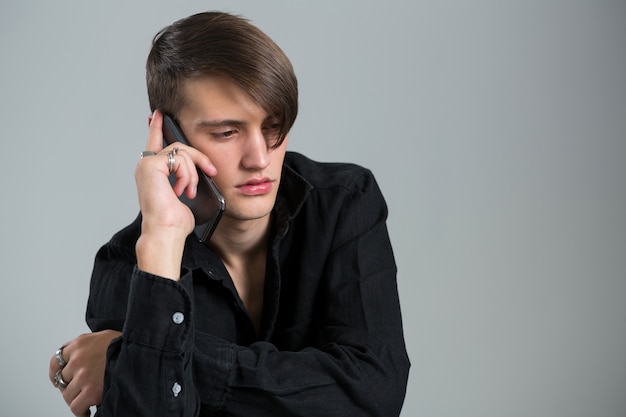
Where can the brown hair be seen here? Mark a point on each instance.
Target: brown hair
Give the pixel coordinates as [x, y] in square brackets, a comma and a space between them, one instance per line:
[222, 44]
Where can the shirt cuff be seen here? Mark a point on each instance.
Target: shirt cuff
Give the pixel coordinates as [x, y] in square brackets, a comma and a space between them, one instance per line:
[160, 312]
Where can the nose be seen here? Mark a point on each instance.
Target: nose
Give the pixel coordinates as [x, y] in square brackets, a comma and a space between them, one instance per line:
[256, 153]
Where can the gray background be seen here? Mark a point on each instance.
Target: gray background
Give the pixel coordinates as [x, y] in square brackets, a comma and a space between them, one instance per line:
[497, 131]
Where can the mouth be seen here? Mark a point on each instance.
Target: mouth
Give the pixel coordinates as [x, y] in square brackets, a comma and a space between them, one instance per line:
[256, 186]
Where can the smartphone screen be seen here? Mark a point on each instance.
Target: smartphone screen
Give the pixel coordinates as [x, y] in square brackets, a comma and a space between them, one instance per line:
[209, 204]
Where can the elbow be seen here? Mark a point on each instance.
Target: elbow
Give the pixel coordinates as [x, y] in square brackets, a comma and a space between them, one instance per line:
[393, 386]
[384, 387]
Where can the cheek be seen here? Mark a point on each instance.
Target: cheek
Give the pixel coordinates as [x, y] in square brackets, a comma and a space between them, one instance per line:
[222, 163]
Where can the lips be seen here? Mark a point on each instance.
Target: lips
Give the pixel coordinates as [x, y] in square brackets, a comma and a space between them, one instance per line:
[256, 186]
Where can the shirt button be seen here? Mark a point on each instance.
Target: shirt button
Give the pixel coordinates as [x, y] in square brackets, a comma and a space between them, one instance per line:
[176, 389]
[178, 317]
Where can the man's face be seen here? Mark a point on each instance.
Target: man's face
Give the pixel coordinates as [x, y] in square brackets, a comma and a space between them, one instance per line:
[222, 121]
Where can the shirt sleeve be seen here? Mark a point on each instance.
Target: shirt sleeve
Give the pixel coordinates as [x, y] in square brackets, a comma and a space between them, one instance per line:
[147, 371]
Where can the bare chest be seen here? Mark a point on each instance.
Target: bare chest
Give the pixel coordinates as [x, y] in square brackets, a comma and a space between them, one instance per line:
[250, 284]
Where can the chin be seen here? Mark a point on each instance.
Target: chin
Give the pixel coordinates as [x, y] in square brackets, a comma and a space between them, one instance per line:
[250, 208]
[248, 213]
[247, 217]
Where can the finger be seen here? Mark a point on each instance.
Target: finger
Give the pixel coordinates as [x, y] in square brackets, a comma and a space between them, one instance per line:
[72, 390]
[80, 406]
[191, 191]
[198, 158]
[83, 396]
[201, 161]
[63, 380]
[186, 174]
[204, 164]
[53, 368]
[155, 135]
[67, 374]
[54, 363]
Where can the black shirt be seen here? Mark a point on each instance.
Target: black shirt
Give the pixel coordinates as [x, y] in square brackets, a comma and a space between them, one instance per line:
[331, 340]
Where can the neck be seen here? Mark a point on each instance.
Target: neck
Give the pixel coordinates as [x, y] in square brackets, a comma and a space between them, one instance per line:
[236, 241]
[242, 245]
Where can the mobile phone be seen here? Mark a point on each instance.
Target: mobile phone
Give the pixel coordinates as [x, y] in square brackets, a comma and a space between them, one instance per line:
[208, 205]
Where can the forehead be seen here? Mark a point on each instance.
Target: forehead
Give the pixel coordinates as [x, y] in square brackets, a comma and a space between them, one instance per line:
[218, 97]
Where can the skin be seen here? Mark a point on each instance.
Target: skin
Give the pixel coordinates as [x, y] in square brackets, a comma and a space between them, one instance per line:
[231, 138]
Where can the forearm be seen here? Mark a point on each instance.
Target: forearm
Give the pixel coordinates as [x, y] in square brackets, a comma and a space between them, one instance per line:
[337, 380]
[148, 369]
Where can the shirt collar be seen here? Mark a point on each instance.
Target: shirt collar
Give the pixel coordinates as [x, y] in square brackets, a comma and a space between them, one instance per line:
[292, 193]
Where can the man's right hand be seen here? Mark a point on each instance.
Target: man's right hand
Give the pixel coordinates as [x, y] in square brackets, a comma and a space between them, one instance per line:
[84, 371]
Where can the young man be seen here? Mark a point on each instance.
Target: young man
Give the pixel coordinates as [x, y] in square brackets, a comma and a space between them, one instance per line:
[290, 309]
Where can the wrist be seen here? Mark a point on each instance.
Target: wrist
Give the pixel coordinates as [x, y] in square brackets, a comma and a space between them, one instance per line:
[160, 254]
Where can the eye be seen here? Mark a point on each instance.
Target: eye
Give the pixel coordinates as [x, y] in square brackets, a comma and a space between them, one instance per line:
[271, 131]
[224, 135]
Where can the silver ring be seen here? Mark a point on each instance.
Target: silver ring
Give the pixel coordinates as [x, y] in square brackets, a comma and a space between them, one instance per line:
[59, 355]
[146, 153]
[170, 160]
[58, 380]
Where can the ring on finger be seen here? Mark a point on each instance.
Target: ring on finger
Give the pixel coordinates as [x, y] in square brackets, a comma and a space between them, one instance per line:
[146, 153]
[59, 382]
[59, 356]
[170, 159]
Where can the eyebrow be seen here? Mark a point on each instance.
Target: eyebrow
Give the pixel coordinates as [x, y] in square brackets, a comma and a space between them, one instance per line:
[219, 123]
